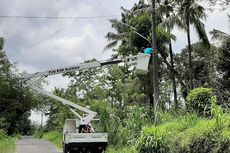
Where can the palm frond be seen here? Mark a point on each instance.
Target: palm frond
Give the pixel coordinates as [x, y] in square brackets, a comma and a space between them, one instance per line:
[228, 18]
[173, 20]
[120, 27]
[115, 36]
[200, 29]
[111, 45]
[1, 43]
[197, 10]
[173, 37]
[217, 34]
[162, 10]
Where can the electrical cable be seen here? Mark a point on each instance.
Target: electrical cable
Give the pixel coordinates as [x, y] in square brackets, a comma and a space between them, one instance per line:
[57, 17]
[51, 36]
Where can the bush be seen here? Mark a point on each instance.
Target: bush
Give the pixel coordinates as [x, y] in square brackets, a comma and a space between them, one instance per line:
[199, 100]
[131, 126]
[55, 137]
[121, 150]
[124, 132]
[203, 137]
[187, 134]
[2, 134]
[38, 134]
[157, 139]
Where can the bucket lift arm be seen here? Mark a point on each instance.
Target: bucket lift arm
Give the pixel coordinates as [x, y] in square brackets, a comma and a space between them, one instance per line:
[31, 79]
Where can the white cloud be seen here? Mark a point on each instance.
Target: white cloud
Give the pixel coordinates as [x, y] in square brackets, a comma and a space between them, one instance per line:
[66, 51]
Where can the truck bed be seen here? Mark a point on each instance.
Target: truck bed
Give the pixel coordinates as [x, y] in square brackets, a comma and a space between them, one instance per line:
[85, 142]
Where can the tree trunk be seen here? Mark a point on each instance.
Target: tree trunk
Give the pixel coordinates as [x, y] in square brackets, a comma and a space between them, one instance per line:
[173, 75]
[172, 64]
[176, 74]
[151, 87]
[189, 51]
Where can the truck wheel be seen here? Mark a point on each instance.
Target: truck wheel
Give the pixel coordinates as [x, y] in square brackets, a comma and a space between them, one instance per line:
[65, 150]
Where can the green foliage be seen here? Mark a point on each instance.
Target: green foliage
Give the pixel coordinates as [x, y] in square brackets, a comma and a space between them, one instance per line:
[2, 134]
[55, 137]
[204, 137]
[204, 65]
[186, 134]
[121, 150]
[15, 101]
[199, 100]
[38, 134]
[218, 113]
[124, 126]
[224, 3]
[223, 68]
[129, 129]
[158, 138]
[57, 112]
[7, 144]
[169, 115]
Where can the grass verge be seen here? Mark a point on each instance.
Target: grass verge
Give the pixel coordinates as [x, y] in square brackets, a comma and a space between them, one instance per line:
[7, 144]
[186, 135]
[53, 136]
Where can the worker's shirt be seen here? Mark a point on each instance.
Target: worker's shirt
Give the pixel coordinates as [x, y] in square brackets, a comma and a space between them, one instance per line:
[148, 50]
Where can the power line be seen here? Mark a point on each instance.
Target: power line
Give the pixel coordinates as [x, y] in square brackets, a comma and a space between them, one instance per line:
[50, 36]
[57, 17]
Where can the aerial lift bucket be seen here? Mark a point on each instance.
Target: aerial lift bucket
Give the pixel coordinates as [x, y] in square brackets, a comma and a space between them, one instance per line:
[142, 63]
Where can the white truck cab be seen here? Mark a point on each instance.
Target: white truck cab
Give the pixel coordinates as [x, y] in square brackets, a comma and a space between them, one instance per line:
[75, 140]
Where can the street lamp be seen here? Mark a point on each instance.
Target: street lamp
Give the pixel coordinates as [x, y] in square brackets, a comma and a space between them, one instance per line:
[134, 30]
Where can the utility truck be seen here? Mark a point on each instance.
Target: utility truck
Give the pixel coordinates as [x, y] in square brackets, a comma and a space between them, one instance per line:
[78, 134]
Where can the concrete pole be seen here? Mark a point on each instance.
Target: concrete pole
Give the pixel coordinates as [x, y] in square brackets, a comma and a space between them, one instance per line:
[155, 61]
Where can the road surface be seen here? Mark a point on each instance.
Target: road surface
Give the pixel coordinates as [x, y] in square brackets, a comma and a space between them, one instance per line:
[28, 144]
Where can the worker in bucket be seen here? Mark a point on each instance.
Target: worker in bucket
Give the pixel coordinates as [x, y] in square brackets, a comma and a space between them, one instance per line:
[148, 51]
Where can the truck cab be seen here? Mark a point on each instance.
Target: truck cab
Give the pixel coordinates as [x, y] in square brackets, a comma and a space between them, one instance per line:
[75, 140]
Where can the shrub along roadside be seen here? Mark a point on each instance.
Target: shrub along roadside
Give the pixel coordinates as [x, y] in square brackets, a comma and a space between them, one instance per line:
[186, 134]
[7, 144]
[121, 150]
[53, 136]
[199, 100]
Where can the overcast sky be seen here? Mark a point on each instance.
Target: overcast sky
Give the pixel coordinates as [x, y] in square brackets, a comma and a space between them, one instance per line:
[40, 44]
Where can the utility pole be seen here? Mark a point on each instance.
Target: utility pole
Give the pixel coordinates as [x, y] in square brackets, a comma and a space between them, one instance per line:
[155, 61]
[42, 119]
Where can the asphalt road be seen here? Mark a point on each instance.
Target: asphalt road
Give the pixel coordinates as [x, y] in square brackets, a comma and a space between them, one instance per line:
[28, 144]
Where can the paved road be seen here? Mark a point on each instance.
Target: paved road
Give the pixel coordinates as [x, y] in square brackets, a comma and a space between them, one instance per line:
[29, 145]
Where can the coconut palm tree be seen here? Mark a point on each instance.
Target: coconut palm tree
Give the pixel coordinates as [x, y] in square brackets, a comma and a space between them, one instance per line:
[166, 9]
[122, 27]
[191, 13]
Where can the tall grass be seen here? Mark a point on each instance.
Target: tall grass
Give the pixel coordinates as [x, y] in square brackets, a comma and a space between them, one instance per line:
[53, 136]
[121, 150]
[7, 144]
[188, 134]
[158, 138]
